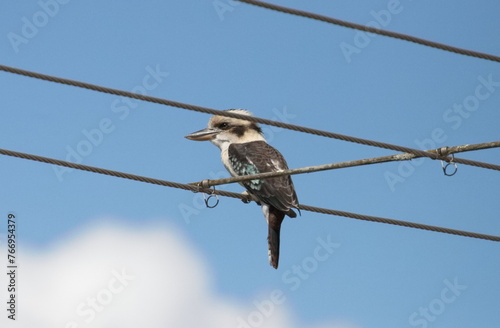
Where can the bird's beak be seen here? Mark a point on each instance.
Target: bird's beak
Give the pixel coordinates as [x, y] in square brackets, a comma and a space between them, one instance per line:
[203, 135]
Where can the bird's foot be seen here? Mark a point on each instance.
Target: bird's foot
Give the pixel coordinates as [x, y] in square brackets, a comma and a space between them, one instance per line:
[249, 198]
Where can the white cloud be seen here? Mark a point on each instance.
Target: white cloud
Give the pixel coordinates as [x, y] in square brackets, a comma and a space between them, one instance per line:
[116, 276]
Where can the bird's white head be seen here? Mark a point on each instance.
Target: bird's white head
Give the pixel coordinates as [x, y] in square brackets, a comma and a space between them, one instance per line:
[223, 131]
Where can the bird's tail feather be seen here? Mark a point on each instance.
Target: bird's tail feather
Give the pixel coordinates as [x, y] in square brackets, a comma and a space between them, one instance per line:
[274, 221]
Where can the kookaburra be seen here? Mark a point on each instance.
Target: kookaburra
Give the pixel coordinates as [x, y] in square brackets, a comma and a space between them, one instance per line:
[244, 151]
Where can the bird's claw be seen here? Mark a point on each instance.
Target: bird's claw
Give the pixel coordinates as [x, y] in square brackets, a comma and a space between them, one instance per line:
[248, 198]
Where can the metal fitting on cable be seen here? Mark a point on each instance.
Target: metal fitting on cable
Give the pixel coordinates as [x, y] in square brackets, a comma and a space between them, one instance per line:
[443, 155]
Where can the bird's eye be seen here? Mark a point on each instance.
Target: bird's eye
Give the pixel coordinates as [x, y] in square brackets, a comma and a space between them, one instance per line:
[224, 126]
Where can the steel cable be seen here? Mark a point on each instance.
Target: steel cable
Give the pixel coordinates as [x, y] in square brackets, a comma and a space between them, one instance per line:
[373, 143]
[243, 197]
[374, 30]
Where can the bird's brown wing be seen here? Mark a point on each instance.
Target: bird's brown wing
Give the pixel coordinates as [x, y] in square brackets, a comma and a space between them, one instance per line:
[259, 157]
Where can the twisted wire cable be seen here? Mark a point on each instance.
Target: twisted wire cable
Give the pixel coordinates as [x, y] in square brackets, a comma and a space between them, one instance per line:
[242, 196]
[371, 29]
[368, 142]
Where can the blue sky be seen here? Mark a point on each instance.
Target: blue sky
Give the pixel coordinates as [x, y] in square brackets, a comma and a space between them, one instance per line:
[98, 251]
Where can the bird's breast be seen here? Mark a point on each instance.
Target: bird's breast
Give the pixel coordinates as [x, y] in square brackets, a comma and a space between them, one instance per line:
[225, 160]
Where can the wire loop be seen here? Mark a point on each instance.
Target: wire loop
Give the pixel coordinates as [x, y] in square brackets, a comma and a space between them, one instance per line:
[449, 163]
[212, 194]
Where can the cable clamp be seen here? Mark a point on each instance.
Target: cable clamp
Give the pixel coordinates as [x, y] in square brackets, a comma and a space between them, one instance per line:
[204, 184]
